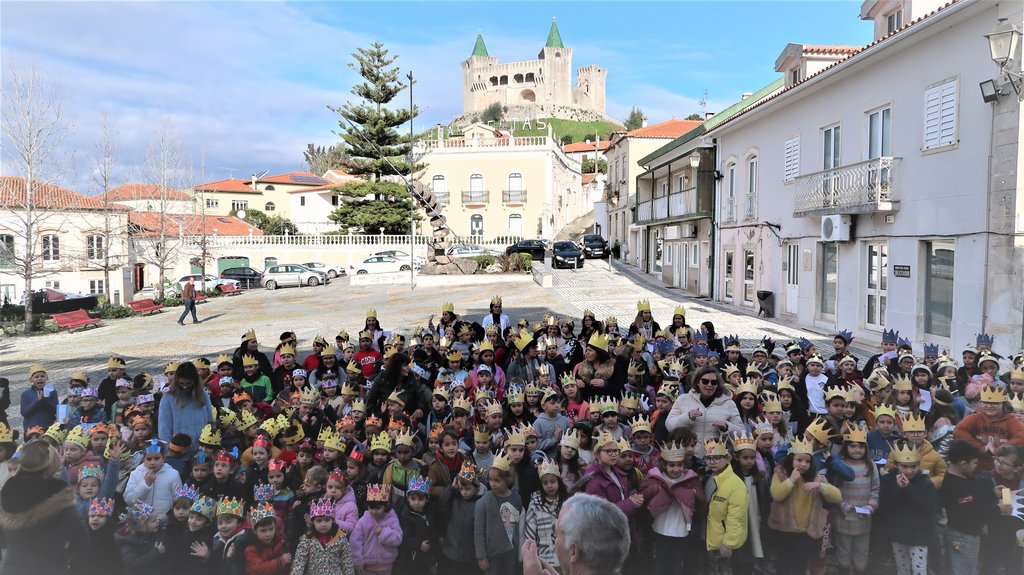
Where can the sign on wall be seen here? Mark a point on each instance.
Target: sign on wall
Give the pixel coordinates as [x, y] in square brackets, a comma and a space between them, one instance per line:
[900, 271]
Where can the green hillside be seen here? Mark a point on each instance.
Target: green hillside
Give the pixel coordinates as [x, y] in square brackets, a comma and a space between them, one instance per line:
[578, 130]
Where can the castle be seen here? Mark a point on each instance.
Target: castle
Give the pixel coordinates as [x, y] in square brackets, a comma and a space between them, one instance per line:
[544, 83]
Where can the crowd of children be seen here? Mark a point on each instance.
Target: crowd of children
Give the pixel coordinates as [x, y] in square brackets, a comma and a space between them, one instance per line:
[441, 449]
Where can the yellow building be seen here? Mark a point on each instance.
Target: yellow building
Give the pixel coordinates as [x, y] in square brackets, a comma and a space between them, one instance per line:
[491, 184]
[268, 194]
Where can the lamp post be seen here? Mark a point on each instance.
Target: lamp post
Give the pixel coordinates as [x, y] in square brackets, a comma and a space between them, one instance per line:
[1002, 45]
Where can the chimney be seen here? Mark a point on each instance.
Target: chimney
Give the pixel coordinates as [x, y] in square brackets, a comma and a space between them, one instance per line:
[644, 123]
[708, 115]
[253, 181]
[746, 95]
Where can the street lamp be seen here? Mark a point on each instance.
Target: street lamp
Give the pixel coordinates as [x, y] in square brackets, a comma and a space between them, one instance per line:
[1002, 44]
[695, 160]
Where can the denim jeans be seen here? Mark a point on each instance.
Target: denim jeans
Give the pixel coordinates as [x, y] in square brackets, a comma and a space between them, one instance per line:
[961, 552]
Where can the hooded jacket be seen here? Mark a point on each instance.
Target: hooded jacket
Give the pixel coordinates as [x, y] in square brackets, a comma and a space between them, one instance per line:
[160, 495]
[722, 408]
[932, 464]
[346, 512]
[370, 548]
[599, 483]
[43, 529]
[727, 511]
[663, 494]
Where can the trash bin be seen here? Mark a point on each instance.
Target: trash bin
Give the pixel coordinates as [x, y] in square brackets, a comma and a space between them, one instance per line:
[766, 300]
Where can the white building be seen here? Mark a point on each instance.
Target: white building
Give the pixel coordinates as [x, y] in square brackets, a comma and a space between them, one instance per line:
[879, 189]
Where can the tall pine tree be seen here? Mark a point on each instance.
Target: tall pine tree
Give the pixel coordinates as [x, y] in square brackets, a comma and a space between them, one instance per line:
[375, 147]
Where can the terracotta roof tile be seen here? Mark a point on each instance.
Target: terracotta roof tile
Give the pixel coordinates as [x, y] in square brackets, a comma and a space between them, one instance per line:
[48, 196]
[229, 185]
[812, 49]
[671, 129]
[585, 147]
[587, 178]
[126, 192]
[148, 223]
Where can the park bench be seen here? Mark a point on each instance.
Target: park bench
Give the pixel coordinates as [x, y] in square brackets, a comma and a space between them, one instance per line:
[201, 298]
[145, 306]
[73, 319]
[229, 289]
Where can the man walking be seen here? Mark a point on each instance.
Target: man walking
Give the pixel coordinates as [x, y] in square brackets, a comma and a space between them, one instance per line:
[188, 297]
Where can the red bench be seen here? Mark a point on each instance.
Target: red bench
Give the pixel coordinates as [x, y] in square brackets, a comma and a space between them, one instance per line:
[229, 289]
[73, 319]
[201, 298]
[145, 306]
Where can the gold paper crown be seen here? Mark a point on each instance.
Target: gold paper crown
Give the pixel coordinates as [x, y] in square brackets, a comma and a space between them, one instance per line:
[292, 434]
[442, 392]
[371, 313]
[454, 355]
[448, 307]
[480, 433]
[522, 341]
[746, 387]
[884, 409]
[608, 405]
[669, 389]
[731, 369]
[820, 429]
[77, 436]
[112, 363]
[514, 395]
[855, 432]
[406, 438]
[547, 467]
[492, 329]
[770, 401]
[271, 426]
[630, 401]
[358, 405]
[643, 305]
[485, 346]
[353, 369]
[611, 320]
[349, 389]
[248, 360]
[249, 335]
[638, 342]
[603, 439]
[1016, 401]
[309, 395]
[532, 390]
[492, 407]
[515, 436]
[380, 441]
[210, 436]
[389, 350]
[568, 379]
[904, 452]
[1017, 374]
[785, 383]
[396, 397]
[463, 404]
[803, 445]
[761, 426]
[992, 394]
[743, 440]
[673, 451]
[222, 359]
[640, 423]
[287, 349]
[366, 334]
[833, 392]
[570, 438]
[6, 433]
[245, 420]
[903, 383]
[543, 369]
[334, 441]
[913, 422]
[715, 447]
[588, 313]
[501, 461]
[680, 310]
[378, 493]
[172, 366]
[599, 341]
[637, 368]
[444, 342]
[496, 300]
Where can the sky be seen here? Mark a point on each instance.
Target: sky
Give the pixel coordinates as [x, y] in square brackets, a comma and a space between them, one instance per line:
[246, 85]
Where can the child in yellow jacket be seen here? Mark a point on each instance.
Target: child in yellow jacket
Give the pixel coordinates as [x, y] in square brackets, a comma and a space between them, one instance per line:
[727, 504]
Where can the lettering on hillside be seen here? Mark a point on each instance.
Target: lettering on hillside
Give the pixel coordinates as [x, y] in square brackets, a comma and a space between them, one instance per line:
[513, 125]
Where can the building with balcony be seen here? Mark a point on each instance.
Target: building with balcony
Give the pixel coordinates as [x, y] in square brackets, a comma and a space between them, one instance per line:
[491, 184]
[877, 189]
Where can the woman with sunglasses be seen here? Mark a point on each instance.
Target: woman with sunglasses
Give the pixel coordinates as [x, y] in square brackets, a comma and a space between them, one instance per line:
[708, 409]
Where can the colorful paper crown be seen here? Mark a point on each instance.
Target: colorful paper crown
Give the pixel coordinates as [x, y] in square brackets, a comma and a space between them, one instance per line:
[381, 441]
[803, 445]
[276, 465]
[231, 506]
[419, 485]
[640, 423]
[992, 394]
[262, 509]
[262, 492]
[761, 426]
[673, 451]
[904, 452]
[141, 512]
[501, 461]
[913, 422]
[378, 493]
[547, 467]
[469, 472]
[855, 433]
[92, 470]
[323, 507]
[101, 507]
[714, 447]
[743, 440]
[225, 456]
[373, 420]
[77, 436]
[185, 490]
[820, 429]
[203, 506]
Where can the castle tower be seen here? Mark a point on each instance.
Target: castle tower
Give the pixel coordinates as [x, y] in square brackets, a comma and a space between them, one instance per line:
[556, 61]
[590, 85]
[474, 80]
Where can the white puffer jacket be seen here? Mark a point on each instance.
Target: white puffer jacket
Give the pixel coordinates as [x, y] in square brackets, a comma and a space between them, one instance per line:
[160, 495]
[722, 408]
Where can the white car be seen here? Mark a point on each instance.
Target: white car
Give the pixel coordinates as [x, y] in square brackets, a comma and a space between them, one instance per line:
[331, 271]
[212, 282]
[403, 257]
[381, 264]
[464, 251]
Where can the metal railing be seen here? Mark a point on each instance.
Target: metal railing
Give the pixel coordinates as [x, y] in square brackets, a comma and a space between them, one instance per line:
[476, 196]
[675, 205]
[442, 198]
[859, 188]
[513, 196]
[325, 240]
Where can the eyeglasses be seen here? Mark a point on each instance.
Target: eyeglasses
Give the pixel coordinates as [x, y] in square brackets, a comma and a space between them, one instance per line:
[610, 451]
[709, 381]
[714, 458]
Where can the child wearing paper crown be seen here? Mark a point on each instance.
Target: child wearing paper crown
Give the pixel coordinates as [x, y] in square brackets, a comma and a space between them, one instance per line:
[102, 551]
[496, 519]
[542, 512]
[910, 502]
[266, 554]
[860, 500]
[420, 530]
[192, 551]
[139, 540]
[346, 511]
[153, 482]
[227, 556]
[377, 535]
[323, 549]
[458, 548]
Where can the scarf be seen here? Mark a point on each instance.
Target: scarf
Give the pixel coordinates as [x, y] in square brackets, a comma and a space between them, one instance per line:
[453, 465]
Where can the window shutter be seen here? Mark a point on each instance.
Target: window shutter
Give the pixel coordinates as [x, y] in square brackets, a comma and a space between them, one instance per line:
[940, 103]
[792, 162]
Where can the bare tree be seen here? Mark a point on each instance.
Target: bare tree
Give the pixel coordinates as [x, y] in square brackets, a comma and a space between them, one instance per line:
[35, 123]
[113, 232]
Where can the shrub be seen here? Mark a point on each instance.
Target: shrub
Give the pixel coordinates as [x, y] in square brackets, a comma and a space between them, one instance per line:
[520, 263]
[484, 260]
[111, 312]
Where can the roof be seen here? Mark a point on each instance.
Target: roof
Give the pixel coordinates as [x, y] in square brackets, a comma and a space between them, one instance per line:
[127, 192]
[479, 49]
[587, 178]
[230, 185]
[48, 196]
[868, 49]
[585, 146]
[554, 38]
[295, 178]
[813, 49]
[670, 129]
[191, 224]
[328, 186]
[715, 120]
[337, 173]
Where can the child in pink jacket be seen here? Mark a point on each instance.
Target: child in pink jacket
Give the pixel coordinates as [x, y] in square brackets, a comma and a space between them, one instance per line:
[377, 535]
[346, 512]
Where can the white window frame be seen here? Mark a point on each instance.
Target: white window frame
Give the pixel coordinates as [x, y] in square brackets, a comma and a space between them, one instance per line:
[96, 287]
[729, 274]
[668, 252]
[94, 248]
[927, 247]
[876, 283]
[479, 179]
[791, 159]
[50, 247]
[749, 284]
[518, 177]
[6, 250]
[883, 133]
[941, 125]
[730, 199]
[519, 218]
[894, 21]
[239, 205]
[212, 203]
[695, 255]
[750, 207]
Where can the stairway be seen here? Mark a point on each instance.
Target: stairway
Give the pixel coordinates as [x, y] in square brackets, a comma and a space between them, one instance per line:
[577, 227]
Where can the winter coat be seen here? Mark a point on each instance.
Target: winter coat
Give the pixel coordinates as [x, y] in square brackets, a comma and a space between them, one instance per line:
[458, 539]
[224, 561]
[783, 516]
[490, 534]
[315, 558]
[908, 514]
[139, 554]
[722, 408]
[727, 511]
[42, 527]
[370, 548]
[672, 502]
[932, 464]
[179, 558]
[36, 411]
[160, 495]
[346, 512]
[440, 476]
[538, 524]
[263, 559]
[599, 483]
[101, 556]
[188, 418]
[417, 528]
[546, 429]
[977, 428]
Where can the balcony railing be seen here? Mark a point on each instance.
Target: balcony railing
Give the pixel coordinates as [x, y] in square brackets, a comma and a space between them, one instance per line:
[860, 188]
[476, 196]
[513, 196]
[442, 197]
[675, 205]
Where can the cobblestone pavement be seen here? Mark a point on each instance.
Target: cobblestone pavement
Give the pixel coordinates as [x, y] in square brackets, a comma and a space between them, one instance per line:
[148, 342]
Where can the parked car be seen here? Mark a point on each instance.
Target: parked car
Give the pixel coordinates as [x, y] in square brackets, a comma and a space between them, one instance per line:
[331, 271]
[533, 247]
[381, 264]
[292, 275]
[151, 292]
[403, 257]
[566, 255]
[245, 276]
[593, 246]
[212, 282]
[469, 251]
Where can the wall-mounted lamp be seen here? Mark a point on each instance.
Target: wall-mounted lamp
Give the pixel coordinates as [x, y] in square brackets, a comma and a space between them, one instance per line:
[989, 91]
[1002, 44]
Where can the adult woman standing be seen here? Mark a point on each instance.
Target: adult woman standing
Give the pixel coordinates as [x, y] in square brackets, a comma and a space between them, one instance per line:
[707, 409]
[250, 346]
[37, 513]
[185, 408]
[597, 370]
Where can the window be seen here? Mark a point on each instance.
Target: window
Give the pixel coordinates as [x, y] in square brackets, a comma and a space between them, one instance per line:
[728, 275]
[96, 287]
[695, 256]
[52, 284]
[877, 278]
[680, 183]
[476, 225]
[269, 207]
[730, 199]
[302, 200]
[879, 133]
[940, 104]
[658, 248]
[51, 248]
[334, 200]
[238, 205]
[476, 183]
[212, 203]
[663, 188]
[828, 278]
[751, 188]
[748, 277]
[791, 164]
[794, 76]
[269, 188]
[439, 186]
[894, 21]
[830, 147]
[94, 247]
[6, 250]
[515, 224]
[938, 288]
[668, 253]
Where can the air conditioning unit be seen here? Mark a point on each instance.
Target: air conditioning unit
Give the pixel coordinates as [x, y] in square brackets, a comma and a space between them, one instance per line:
[688, 231]
[835, 228]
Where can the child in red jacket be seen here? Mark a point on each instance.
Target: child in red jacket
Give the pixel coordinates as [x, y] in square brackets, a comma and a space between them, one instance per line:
[267, 555]
[673, 493]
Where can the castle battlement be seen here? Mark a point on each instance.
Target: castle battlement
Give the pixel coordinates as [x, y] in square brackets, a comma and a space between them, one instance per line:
[546, 81]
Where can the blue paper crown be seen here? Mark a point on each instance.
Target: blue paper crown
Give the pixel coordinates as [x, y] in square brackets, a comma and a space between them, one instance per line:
[713, 354]
[847, 336]
[153, 446]
[804, 343]
[700, 336]
[699, 349]
[419, 485]
[200, 457]
[730, 340]
[903, 341]
[263, 492]
[666, 347]
[931, 350]
[985, 339]
[186, 490]
[890, 336]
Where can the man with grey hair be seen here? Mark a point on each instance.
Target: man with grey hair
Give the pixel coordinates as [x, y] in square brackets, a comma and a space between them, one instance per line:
[591, 538]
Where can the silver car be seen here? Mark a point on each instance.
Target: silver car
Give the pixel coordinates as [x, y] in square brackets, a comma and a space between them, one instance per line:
[292, 275]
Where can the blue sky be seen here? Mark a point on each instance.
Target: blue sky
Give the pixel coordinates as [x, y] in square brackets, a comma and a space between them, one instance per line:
[246, 84]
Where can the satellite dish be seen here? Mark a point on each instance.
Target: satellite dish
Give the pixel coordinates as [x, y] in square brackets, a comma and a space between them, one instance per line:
[240, 214]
